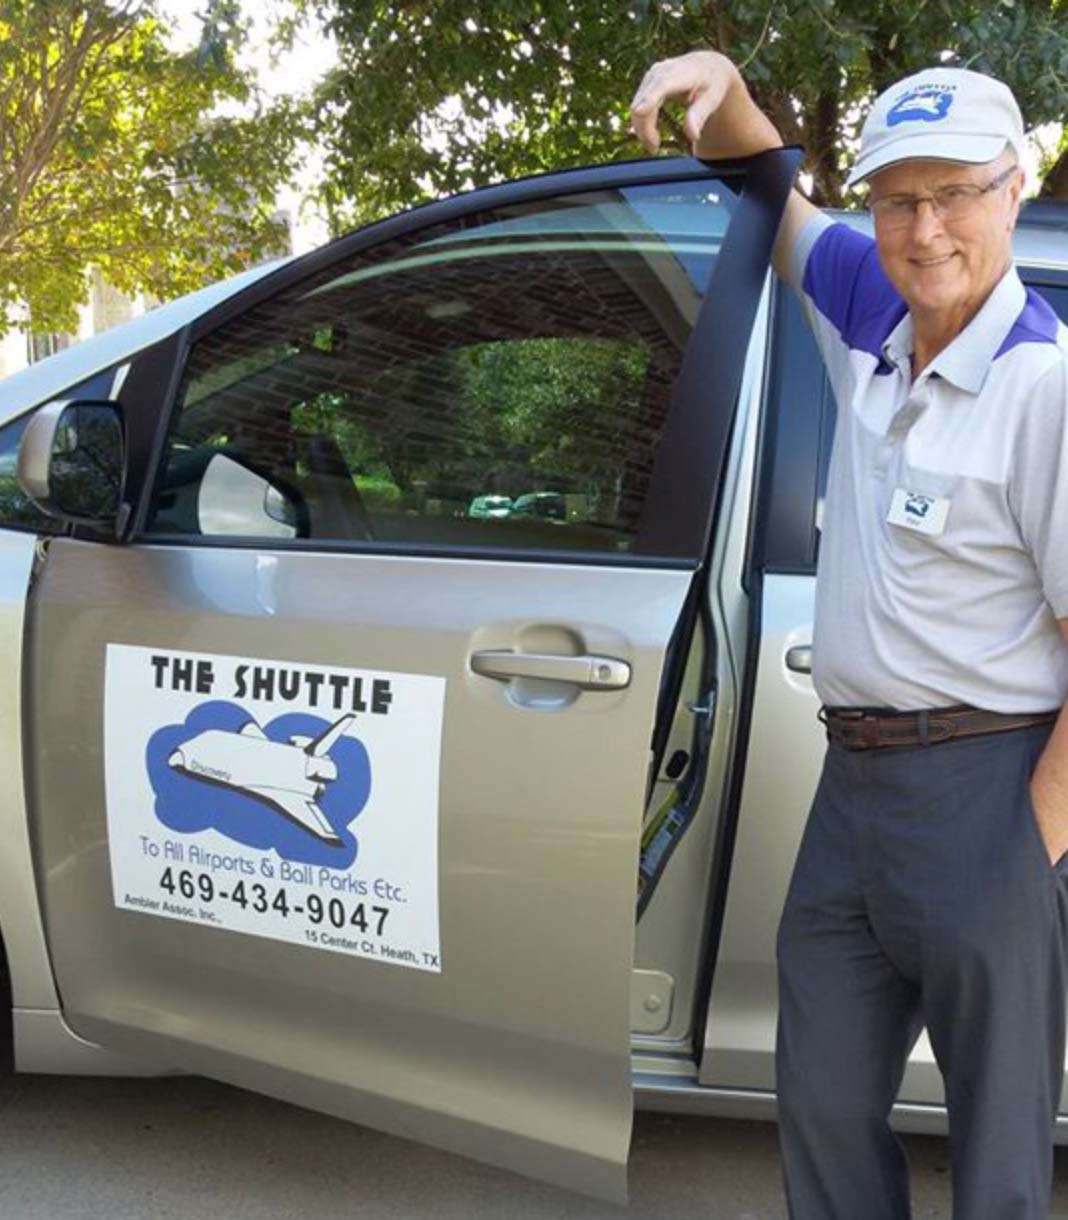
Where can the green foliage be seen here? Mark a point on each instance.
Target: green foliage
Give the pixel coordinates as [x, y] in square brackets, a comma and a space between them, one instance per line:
[538, 396]
[379, 493]
[110, 156]
[515, 411]
[509, 87]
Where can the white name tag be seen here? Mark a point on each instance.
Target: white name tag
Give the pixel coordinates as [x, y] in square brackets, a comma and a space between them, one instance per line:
[924, 514]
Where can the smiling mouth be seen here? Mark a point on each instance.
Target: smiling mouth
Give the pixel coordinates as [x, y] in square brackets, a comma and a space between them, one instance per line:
[933, 262]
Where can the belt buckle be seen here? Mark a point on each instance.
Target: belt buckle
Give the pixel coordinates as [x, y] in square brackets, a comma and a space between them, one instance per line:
[858, 728]
[941, 728]
[869, 731]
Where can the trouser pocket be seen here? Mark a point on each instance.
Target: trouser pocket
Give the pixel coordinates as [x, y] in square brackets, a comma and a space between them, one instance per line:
[1060, 866]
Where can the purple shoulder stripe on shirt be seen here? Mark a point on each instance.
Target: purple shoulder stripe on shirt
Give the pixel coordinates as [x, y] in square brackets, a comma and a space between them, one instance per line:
[1037, 323]
[848, 286]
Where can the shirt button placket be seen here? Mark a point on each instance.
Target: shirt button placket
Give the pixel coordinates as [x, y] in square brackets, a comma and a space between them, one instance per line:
[899, 428]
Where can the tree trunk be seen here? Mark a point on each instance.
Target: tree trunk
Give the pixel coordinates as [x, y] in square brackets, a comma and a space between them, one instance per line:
[779, 108]
[822, 125]
[719, 29]
[1055, 183]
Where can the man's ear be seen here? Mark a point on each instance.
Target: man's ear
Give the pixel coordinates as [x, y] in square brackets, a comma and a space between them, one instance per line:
[1015, 185]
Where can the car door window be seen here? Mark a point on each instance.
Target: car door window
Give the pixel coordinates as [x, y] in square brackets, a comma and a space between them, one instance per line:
[800, 411]
[501, 382]
[17, 510]
[1056, 295]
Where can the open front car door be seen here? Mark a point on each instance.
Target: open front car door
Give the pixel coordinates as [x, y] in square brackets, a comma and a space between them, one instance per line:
[337, 758]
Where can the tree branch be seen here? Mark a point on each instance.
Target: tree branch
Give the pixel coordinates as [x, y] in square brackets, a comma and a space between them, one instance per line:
[76, 72]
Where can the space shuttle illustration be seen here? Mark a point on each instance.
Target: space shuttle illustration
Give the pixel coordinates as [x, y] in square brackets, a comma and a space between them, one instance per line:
[928, 104]
[288, 776]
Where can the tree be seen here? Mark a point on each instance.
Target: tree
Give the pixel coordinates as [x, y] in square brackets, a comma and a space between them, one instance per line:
[111, 155]
[431, 96]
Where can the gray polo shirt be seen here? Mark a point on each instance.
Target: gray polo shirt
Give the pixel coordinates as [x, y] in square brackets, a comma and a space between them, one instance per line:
[944, 554]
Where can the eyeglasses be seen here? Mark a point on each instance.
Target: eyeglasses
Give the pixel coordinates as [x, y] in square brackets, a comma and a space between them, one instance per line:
[953, 202]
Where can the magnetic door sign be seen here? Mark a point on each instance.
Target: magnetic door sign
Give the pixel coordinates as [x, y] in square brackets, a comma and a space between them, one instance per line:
[296, 802]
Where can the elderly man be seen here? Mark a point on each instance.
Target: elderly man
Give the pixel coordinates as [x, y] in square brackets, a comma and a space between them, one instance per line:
[931, 887]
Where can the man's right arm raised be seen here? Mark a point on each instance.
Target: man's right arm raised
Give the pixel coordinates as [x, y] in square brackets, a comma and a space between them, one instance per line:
[722, 121]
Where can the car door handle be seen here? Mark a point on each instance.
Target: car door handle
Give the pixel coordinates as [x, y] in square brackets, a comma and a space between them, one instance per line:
[586, 672]
[799, 659]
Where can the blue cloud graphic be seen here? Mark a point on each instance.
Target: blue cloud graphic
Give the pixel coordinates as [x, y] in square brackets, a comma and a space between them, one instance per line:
[926, 105]
[185, 804]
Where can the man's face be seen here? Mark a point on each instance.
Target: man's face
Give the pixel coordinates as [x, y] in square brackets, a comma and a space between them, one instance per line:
[947, 264]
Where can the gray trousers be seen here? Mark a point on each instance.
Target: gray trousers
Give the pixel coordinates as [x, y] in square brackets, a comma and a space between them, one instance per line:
[923, 895]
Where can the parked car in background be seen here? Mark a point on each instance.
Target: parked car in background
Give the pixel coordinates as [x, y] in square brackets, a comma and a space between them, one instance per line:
[473, 826]
[548, 504]
[490, 506]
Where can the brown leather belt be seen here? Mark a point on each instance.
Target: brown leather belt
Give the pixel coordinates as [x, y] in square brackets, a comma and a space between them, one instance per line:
[861, 729]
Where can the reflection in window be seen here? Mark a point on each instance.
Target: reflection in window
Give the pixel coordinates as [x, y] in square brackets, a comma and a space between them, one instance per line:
[16, 507]
[501, 383]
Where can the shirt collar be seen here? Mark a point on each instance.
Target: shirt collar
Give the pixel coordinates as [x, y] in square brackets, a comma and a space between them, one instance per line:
[967, 360]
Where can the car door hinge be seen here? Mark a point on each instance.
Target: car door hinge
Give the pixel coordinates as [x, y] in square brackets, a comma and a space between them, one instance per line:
[40, 554]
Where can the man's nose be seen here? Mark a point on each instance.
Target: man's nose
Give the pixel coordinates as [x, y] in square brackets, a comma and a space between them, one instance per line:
[926, 222]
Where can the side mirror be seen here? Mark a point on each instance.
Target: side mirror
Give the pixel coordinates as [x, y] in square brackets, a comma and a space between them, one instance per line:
[232, 499]
[72, 461]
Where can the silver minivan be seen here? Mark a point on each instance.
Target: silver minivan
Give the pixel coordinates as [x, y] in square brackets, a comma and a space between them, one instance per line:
[471, 827]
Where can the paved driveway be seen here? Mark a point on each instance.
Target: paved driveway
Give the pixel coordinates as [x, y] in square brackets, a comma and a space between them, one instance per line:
[187, 1149]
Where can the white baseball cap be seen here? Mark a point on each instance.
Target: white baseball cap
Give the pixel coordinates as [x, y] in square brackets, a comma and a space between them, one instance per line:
[943, 114]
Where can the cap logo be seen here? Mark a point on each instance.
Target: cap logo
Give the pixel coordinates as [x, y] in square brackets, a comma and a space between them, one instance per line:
[927, 104]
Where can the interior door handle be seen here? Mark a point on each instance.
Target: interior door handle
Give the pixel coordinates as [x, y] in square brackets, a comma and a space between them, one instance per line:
[799, 659]
[586, 672]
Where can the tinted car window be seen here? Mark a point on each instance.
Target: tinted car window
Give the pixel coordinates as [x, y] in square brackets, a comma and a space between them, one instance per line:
[800, 427]
[1057, 295]
[17, 510]
[503, 382]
